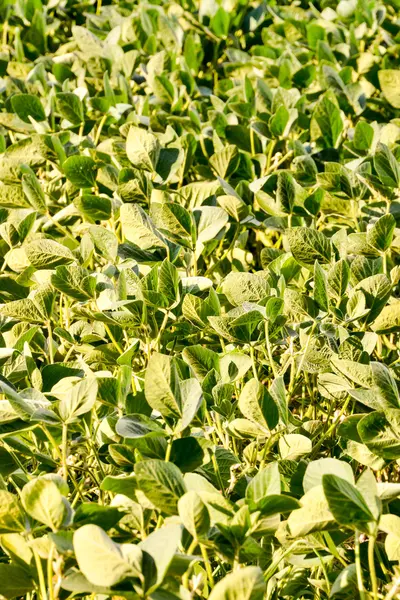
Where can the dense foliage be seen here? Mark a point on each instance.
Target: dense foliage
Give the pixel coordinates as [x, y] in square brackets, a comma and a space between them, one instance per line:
[199, 290]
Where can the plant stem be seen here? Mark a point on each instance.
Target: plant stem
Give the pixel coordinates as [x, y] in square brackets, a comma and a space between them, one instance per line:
[225, 254]
[191, 549]
[393, 591]
[271, 147]
[360, 583]
[99, 128]
[371, 564]
[217, 473]
[64, 450]
[252, 142]
[207, 565]
[269, 350]
[50, 573]
[253, 362]
[160, 331]
[332, 548]
[168, 451]
[112, 338]
[50, 343]
[60, 227]
[42, 581]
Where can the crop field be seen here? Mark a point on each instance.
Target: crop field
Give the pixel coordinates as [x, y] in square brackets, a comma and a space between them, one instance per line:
[199, 300]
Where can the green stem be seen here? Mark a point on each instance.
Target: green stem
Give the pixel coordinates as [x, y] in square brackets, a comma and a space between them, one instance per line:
[217, 473]
[332, 548]
[225, 254]
[50, 573]
[185, 579]
[384, 263]
[393, 591]
[323, 567]
[371, 564]
[357, 557]
[50, 343]
[271, 147]
[280, 161]
[275, 564]
[299, 368]
[207, 565]
[330, 431]
[39, 568]
[168, 451]
[100, 127]
[253, 362]
[5, 34]
[160, 331]
[269, 350]
[112, 338]
[252, 141]
[64, 450]
[60, 227]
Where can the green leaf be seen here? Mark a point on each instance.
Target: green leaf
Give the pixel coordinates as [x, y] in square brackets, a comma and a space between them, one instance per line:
[385, 385]
[320, 287]
[102, 561]
[137, 227]
[95, 514]
[380, 236]
[389, 80]
[15, 581]
[201, 360]
[81, 171]
[345, 502]
[95, 208]
[387, 167]
[46, 253]
[139, 426]
[309, 245]
[314, 514]
[32, 189]
[105, 241]
[318, 468]
[329, 122]
[363, 136]
[286, 192]
[345, 582]
[388, 320]
[162, 484]
[338, 277]
[194, 514]
[77, 399]
[244, 287]
[294, 445]
[257, 405]
[70, 107]
[220, 22]
[244, 584]
[142, 149]
[159, 549]
[266, 482]
[380, 432]
[226, 161]
[169, 282]
[23, 310]
[43, 501]
[12, 519]
[74, 281]
[162, 385]
[26, 106]
[210, 220]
